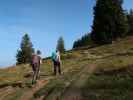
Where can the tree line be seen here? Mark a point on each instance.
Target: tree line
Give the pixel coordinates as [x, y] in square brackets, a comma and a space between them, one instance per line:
[83, 41]
[110, 23]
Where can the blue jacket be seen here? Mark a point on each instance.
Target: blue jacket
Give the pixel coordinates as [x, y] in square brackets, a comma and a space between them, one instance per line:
[54, 55]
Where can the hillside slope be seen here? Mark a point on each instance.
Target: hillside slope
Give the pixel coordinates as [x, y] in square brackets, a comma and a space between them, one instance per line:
[101, 73]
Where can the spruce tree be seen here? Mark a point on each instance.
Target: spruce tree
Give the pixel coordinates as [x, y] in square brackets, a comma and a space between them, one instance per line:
[60, 45]
[130, 22]
[120, 20]
[24, 54]
[109, 22]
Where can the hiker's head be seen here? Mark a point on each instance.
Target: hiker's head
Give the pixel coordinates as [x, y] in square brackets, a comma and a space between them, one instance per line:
[58, 51]
[38, 52]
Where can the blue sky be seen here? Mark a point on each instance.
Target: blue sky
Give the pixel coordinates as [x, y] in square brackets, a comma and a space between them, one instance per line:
[44, 21]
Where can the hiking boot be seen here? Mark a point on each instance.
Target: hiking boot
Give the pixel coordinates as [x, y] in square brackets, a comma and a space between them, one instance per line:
[34, 82]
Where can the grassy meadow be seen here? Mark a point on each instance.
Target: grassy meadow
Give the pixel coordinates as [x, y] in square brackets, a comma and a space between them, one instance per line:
[101, 73]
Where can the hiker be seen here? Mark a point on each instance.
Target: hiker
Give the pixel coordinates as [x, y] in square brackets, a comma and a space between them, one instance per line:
[36, 61]
[56, 62]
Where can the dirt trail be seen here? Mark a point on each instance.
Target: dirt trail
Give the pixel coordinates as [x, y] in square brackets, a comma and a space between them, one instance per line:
[29, 94]
[74, 91]
[6, 91]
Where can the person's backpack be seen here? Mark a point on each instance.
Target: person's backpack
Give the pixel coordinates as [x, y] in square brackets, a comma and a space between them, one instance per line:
[35, 59]
[54, 56]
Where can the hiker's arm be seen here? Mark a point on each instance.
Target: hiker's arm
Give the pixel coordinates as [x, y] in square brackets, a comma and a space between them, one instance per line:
[60, 60]
[40, 60]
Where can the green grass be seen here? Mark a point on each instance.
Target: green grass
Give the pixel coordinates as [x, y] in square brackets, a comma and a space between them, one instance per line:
[16, 95]
[57, 85]
[112, 80]
[104, 87]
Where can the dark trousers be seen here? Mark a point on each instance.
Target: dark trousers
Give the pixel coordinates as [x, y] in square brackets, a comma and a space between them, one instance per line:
[57, 65]
[36, 69]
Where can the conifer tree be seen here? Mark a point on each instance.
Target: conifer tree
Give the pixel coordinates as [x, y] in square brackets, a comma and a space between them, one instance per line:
[60, 45]
[110, 21]
[130, 22]
[24, 54]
